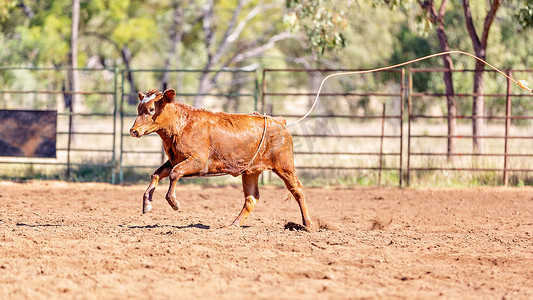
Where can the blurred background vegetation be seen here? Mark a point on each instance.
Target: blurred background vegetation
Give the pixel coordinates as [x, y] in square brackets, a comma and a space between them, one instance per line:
[252, 34]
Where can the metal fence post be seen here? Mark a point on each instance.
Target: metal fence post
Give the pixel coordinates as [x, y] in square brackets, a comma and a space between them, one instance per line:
[263, 89]
[402, 103]
[409, 112]
[381, 143]
[263, 110]
[120, 170]
[69, 139]
[256, 92]
[115, 103]
[507, 127]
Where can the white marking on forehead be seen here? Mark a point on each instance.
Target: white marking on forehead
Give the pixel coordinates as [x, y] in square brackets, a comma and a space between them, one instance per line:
[148, 99]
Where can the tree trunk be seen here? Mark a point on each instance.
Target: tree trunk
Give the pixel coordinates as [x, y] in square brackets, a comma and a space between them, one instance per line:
[176, 37]
[202, 88]
[126, 56]
[478, 106]
[208, 27]
[450, 93]
[480, 47]
[73, 73]
[438, 18]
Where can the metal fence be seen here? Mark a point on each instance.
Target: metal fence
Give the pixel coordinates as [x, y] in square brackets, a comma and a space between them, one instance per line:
[365, 127]
[43, 88]
[497, 156]
[316, 136]
[415, 151]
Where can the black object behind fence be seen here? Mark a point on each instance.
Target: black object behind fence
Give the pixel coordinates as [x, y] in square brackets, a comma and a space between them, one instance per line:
[28, 133]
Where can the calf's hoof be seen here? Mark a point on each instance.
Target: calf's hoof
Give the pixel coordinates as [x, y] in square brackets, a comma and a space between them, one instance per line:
[173, 202]
[233, 225]
[308, 225]
[175, 205]
[147, 208]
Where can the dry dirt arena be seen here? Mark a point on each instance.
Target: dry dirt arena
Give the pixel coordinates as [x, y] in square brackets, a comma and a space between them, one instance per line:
[89, 241]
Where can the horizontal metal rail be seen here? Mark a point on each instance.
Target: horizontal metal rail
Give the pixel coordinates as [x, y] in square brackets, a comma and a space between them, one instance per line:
[334, 94]
[204, 94]
[85, 150]
[428, 94]
[341, 116]
[347, 136]
[469, 136]
[293, 70]
[57, 69]
[441, 70]
[55, 163]
[85, 133]
[229, 70]
[345, 153]
[473, 117]
[55, 92]
[345, 168]
[85, 114]
[297, 167]
[469, 169]
[142, 151]
[471, 154]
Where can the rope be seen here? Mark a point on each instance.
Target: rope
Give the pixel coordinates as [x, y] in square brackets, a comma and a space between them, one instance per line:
[521, 83]
[261, 142]
[265, 117]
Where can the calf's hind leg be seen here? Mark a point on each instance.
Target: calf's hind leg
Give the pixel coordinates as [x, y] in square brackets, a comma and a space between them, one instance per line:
[294, 185]
[161, 172]
[251, 196]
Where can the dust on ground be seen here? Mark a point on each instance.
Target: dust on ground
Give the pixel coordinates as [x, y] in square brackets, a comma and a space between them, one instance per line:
[90, 241]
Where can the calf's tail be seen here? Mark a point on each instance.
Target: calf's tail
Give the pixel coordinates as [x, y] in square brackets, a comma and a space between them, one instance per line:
[288, 194]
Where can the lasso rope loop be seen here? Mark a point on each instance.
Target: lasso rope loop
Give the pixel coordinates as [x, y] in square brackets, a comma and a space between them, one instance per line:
[521, 83]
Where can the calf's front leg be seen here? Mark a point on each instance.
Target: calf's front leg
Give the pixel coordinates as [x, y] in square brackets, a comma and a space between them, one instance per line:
[187, 167]
[161, 172]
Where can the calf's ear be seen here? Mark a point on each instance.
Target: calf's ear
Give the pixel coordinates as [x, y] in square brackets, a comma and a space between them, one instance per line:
[141, 96]
[168, 95]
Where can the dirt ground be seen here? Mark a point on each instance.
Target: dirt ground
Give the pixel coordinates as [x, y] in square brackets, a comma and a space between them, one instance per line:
[90, 241]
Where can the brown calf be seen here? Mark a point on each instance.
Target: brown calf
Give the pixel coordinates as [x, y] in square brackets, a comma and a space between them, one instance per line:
[202, 143]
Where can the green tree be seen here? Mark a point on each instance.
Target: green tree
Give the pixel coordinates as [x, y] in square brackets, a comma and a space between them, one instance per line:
[127, 26]
[322, 23]
[234, 33]
[525, 13]
[5, 8]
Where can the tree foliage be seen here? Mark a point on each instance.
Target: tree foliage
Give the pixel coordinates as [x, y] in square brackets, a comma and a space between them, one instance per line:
[525, 13]
[5, 8]
[321, 21]
[208, 34]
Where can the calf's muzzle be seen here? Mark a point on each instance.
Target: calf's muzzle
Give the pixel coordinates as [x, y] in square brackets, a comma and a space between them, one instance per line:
[135, 133]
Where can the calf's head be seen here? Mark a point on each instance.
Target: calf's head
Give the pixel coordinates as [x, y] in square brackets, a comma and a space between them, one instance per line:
[151, 112]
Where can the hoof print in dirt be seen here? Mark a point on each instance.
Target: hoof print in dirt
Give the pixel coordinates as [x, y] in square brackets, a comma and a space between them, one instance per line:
[295, 227]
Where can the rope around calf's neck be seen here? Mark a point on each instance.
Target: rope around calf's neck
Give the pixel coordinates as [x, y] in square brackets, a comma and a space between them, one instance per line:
[522, 83]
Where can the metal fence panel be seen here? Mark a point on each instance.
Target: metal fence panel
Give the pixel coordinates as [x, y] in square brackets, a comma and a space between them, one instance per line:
[356, 132]
[85, 138]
